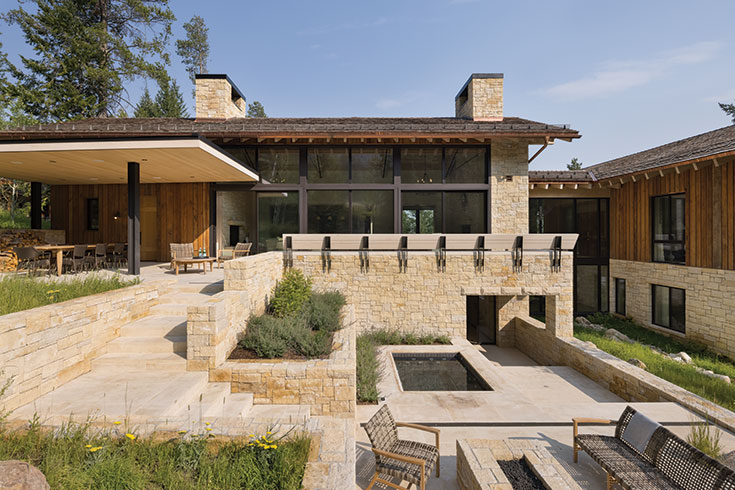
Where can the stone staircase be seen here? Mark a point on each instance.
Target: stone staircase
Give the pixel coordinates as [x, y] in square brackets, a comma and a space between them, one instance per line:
[143, 379]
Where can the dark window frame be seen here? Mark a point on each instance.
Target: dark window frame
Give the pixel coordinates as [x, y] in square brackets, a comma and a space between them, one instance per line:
[655, 241]
[618, 309]
[443, 209]
[91, 225]
[653, 308]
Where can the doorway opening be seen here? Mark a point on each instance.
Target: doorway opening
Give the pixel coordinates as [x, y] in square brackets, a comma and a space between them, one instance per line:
[482, 319]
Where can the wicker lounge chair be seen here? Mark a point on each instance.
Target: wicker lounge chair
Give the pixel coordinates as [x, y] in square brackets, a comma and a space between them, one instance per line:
[240, 250]
[409, 460]
[182, 251]
[31, 260]
[664, 461]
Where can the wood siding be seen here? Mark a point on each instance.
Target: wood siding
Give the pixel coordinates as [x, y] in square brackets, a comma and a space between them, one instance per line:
[630, 215]
[183, 213]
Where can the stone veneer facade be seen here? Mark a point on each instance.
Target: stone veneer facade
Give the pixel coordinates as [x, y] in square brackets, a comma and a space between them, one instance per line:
[509, 187]
[483, 100]
[214, 99]
[710, 299]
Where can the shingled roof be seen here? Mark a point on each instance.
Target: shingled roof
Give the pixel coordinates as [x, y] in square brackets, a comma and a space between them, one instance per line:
[288, 127]
[560, 176]
[700, 147]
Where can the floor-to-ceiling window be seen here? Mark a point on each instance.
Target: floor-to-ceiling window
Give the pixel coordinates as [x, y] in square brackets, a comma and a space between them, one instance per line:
[589, 218]
[278, 213]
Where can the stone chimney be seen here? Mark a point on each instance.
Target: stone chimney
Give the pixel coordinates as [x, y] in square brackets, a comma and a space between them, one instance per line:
[218, 98]
[481, 98]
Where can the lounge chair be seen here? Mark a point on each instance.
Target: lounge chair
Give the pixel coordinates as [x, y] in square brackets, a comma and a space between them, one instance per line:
[408, 460]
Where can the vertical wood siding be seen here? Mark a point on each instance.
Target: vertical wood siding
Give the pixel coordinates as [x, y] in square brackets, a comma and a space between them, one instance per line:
[630, 215]
[183, 213]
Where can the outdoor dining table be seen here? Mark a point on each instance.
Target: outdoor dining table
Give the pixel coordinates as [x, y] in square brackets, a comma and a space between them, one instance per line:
[59, 250]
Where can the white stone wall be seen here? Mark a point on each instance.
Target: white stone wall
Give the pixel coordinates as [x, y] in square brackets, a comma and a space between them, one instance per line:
[43, 348]
[509, 186]
[484, 100]
[214, 99]
[710, 299]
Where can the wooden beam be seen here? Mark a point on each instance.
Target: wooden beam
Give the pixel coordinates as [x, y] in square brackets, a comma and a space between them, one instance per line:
[546, 186]
[226, 140]
[576, 186]
[660, 173]
[621, 180]
[293, 140]
[463, 140]
[532, 186]
[445, 140]
[561, 186]
[260, 139]
[632, 177]
[716, 162]
[677, 170]
[645, 174]
[717, 218]
[695, 166]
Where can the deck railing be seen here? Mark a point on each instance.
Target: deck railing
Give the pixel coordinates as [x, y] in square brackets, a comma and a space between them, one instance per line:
[440, 244]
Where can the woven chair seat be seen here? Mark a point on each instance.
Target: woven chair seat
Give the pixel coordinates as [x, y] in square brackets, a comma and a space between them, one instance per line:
[407, 471]
[625, 465]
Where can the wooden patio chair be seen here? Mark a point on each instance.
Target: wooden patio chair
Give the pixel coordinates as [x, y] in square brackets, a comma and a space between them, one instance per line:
[241, 250]
[182, 251]
[408, 460]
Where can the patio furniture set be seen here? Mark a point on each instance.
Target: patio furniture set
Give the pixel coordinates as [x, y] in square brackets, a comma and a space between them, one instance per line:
[641, 455]
[57, 259]
[183, 255]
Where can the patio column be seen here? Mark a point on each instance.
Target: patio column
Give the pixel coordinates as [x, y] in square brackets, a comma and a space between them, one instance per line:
[35, 205]
[133, 218]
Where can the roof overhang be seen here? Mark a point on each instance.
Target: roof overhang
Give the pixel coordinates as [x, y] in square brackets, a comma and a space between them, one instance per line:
[162, 160]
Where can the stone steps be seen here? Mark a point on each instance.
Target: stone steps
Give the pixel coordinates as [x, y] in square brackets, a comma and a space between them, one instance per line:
[152, 362]
[217, 401]
[148, 345]
[155, 326]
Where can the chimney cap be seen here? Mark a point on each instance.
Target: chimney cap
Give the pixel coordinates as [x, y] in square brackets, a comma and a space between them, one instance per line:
[236, 93]
[463, 90]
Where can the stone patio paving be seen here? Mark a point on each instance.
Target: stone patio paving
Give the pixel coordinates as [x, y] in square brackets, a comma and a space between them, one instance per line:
[529, 402]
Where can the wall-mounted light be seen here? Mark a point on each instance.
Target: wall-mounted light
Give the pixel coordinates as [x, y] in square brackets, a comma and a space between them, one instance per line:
[116, 216]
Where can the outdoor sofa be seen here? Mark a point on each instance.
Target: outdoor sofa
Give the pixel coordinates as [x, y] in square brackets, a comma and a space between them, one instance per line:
[644, 455]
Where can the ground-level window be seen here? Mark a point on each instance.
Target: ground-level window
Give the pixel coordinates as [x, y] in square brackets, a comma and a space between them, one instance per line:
[537, 307]
[668, 228]
[93, 214]
[669, 307]
[619, 296]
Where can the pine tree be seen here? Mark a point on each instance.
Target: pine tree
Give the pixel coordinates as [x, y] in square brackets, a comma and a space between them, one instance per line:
[255, 109]
[169, 101]
[729, 110]
[146, 107]
[84, 54]
[194, 50]
[575, 164]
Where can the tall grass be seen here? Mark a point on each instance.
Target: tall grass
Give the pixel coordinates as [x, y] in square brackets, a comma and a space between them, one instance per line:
[680, 374]
[22, 220]
[368, 367]
[20, 293]
[73, 457]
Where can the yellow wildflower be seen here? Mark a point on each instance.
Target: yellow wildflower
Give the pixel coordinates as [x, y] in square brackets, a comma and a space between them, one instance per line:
[252, 435]
[209, 428]
[269, 433]
[88, 446]
[95, 449]
[117, 422]
[207, 423]
[182, 432]
[130, 436]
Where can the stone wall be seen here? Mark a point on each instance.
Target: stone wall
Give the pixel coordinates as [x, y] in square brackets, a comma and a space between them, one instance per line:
[255, 275]
[710, 299]
[625, 380]
[214, 99]
[327, 386]
[484, 100]
[426, 301]
[509, 186]
[45, 347]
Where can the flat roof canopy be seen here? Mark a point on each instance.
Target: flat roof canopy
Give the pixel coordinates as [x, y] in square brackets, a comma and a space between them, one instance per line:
[165, 160]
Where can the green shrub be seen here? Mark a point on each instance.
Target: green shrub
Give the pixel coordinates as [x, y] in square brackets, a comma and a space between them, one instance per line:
[265, 337]
[290, 294]
[706, 438]
[323, 311]
[368, 368]
[313, 343]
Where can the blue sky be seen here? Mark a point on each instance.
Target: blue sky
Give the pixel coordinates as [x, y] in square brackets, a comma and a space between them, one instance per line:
[629, 75]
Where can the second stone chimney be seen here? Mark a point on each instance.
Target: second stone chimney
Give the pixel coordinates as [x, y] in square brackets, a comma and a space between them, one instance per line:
[481, 98]
[218, 98]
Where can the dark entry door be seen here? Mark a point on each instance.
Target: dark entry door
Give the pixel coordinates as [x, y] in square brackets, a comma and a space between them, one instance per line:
[481, 319]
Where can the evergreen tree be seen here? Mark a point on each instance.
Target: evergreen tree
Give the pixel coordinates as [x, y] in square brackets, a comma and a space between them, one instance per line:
[255, 109]
[575, 164]
[146, 107]
[194, 50]
[85, 52]
[169, 101]
[729, 110]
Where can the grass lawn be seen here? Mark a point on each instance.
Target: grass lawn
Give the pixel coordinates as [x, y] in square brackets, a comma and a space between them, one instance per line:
[683, 375]
[20, 293]
[73, 457]
[368, 368]
[22, 220]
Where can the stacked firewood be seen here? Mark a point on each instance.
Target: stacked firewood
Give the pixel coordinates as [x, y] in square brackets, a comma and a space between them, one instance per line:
[14, 238]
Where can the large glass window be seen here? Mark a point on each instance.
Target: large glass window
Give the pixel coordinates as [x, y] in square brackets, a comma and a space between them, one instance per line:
[93, 214]
[421, 165]
[422, 212]
[278, 213]
[669, 307]
[328, 211]
[668, 228]
[552, 216]
[372, 166]
[465, 212]
[279, 165]
[588, 227]
[465, 165]
[587, 288]
[328, 165]
[620, 296]
[372, 211]
[245, 155]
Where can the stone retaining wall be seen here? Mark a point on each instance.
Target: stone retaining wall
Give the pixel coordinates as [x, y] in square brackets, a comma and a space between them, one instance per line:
[710, 299]
[327, 386]
[255, 275]
[43, 348]
[625, 380]
[425, 300]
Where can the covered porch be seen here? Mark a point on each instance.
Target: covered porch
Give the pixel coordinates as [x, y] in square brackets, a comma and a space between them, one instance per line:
[163, 185]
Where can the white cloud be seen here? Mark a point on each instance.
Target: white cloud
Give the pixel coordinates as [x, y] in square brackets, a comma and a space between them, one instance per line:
[617, 76]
